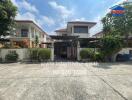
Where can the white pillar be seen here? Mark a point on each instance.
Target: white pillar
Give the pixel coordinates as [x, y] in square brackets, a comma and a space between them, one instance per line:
[78, 51]
[72, 30]
[30, 32]
[52, 51]
[30, 36]
[34, 32]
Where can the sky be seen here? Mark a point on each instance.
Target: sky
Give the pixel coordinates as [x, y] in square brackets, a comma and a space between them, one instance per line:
[51, 15]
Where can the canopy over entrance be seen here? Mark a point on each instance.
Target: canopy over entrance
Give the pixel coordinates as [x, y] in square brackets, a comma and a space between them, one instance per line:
[64, 37]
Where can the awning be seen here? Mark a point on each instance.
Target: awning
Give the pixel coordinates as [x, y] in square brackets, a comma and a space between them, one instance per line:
[63, 37]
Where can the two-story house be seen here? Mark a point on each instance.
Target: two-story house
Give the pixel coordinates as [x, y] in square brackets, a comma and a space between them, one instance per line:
[76, 28]
[66, 41]
[25, 33]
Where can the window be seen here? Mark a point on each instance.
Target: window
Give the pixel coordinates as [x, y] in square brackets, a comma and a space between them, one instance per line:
[80, 29]
[24, 33]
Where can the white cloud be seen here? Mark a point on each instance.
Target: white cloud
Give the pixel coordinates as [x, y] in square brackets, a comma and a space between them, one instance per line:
[62, 10]
[14, 2]
[25, 16]
[80, 19]
[44, 20]
[31, 13]
[121, 1]
[25, 5]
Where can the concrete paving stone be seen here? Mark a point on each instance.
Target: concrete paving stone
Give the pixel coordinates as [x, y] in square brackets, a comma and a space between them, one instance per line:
[85, 88]
[66, 81]
[122, 83]
[110, 68]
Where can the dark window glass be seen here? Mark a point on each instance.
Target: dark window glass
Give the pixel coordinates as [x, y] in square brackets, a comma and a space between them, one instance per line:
[24, 33]
[80, 29]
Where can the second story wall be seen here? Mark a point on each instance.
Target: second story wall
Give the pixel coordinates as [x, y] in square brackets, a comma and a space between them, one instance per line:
[78, 30]
[29, 30]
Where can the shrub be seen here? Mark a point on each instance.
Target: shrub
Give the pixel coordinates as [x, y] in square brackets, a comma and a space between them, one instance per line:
[11, 56]
[1, 59]
[99, 56]
[44, 54]
[110, 45]
[87, 54]
[34, 54]
[40, 54]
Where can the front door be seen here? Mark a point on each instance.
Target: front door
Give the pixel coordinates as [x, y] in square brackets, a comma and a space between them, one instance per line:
[65, 51]
[72, 53]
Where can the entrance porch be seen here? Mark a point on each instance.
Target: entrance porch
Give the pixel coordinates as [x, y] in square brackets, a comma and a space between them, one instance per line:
[65, 48]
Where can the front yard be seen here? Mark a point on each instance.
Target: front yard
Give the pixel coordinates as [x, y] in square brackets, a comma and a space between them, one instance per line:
[66, 81]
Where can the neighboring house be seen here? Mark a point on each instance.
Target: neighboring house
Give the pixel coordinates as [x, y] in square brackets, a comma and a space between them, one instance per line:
[98, 35]
[76, 28]
[25, 33]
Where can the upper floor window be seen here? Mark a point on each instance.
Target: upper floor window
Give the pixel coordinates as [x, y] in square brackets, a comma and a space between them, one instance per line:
[80, 29]
[24, 32]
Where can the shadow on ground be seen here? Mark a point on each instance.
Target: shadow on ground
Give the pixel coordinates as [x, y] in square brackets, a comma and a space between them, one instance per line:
[109, 65]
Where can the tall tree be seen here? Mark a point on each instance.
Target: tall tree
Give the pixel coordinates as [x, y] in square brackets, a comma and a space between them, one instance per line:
[7, 14]
[121, 25]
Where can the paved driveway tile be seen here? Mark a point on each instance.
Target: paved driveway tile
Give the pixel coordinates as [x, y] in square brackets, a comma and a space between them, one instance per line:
[66, 81]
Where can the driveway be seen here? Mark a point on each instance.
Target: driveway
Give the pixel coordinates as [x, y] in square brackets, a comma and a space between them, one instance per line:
[66, 81]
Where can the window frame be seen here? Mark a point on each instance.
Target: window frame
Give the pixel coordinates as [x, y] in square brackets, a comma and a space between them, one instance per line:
[80, 27]
[23, 32]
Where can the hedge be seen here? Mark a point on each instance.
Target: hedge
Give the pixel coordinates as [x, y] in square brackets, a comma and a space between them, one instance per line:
[87, 53]
[40, 54]
[12, 56]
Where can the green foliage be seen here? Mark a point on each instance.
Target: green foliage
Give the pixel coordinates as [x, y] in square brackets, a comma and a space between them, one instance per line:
[44, 54]
[120, 25]
[34, 54]
[110, 45]
[1, 60]
[7, 14]
[87, 53]
[40, 54]
[99, 56]
[11, 56]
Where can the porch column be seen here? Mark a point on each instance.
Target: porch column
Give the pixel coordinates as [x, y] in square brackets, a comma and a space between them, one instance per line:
[11, 41]
[30, 37]
[52, 51]
[88, 31]
[78, 51]
[72, 30]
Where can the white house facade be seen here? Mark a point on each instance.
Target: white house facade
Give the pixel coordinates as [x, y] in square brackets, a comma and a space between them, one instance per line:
[25, 33]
